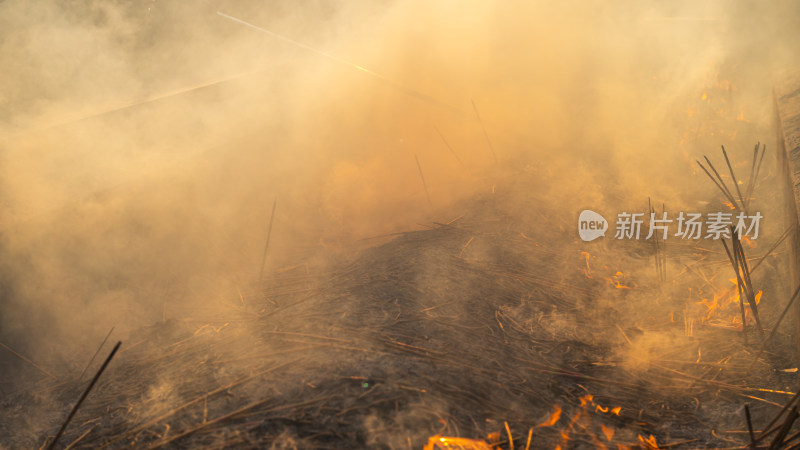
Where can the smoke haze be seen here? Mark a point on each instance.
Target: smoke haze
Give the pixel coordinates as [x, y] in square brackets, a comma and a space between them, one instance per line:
[143, 143]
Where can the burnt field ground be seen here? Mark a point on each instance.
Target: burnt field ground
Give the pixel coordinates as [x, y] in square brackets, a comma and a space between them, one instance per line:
[476, 327]
[317, 224]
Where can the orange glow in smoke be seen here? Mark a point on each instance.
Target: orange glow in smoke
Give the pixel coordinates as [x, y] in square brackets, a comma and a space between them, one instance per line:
[554, 417]
[451, 443]
[618, 281]
[723, 311]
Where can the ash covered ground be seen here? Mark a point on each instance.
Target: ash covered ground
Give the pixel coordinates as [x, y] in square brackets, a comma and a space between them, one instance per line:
[456, 329]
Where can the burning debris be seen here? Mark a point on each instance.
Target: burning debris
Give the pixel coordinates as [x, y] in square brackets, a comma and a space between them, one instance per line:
[470, 334]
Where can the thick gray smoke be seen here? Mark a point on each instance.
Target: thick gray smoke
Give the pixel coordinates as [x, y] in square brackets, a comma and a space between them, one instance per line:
[143, 143]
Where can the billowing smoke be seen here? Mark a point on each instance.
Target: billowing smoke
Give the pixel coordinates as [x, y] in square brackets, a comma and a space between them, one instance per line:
[143, 143]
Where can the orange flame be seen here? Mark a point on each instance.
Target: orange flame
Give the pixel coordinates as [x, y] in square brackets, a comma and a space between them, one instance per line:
[649, 443]
[554, 417]
[749, 242]
[617, 281]
[722, 310]
[607, 432]
[588, 270]
[452, 443]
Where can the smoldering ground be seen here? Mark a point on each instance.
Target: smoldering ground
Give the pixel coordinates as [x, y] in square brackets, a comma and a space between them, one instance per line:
[144, 143]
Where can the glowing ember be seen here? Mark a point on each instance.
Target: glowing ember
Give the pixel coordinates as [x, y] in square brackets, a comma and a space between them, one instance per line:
[749, 242]
[649, 443]
[588, 270]
[554, 417]
[442, 443]
[723, 310]
[618, 281]
[607, 432]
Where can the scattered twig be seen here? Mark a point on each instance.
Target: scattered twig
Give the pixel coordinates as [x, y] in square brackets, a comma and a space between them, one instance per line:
[745, 269]
[229, 416]
[83, 396]
[713, 180]
[447, 144]
[485, 133]
[758, 170]
[752, 175]
[424, 184]
[769, 428]
[719, 181]
[791, 417]
[760, 260]
[739, 285]
[196, 400]
[510, 438]
[659, 255]
[775, 328]
[95, 354]
[754, 169]
[733, 176]
[266, 245]
[465, 246]
[80, 438]
[10, 350]
[772, 249]
[749, 424]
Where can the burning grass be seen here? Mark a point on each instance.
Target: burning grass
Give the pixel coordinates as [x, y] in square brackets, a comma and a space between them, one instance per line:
[472, 333]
